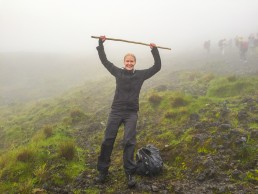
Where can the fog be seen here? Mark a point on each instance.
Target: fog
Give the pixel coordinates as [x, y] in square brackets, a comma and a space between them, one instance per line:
[66, 25]
[49, 41]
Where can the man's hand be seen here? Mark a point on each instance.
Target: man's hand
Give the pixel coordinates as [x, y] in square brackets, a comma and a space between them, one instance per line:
[152, 45]
[102, 40]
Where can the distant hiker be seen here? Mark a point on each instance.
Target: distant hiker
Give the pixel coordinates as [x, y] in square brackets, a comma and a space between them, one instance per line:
[237, 40]
[243, 48]
[124, 110]
[222, 45]
[207, 45]
[251, 40]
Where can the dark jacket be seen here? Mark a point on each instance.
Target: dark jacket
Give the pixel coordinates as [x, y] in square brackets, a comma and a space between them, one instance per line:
[129, 83]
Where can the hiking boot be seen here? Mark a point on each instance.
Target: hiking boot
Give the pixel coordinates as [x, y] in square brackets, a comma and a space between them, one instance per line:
[101, 178]
[131, 182]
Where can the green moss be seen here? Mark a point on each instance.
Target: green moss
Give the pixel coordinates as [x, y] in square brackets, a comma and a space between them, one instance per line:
[167, 136]
[74, 168]
[252, 176]
[187, 136]
[92, 190]
[203, 150]
[253, 125]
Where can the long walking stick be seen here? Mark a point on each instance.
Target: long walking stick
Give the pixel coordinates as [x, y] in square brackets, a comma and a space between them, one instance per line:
[115, 39]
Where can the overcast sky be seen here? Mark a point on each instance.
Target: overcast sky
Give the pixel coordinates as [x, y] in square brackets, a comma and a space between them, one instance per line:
[67, 25]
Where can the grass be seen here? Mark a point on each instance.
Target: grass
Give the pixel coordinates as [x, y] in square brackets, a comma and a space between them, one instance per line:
[67, 150]
[35, 163]
[232, 86]
[53, 129]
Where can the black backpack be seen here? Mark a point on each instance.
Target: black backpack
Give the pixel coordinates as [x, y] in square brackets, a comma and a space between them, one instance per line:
[149, 161]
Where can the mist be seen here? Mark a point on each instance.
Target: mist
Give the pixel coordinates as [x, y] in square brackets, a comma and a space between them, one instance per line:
[66, 25]
[46, 46]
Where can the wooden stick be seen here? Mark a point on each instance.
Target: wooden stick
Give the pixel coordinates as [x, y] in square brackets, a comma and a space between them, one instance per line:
[115, 39]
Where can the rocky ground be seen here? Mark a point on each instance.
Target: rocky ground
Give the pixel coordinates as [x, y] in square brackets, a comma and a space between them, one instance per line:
[228, 162]
[222, 170]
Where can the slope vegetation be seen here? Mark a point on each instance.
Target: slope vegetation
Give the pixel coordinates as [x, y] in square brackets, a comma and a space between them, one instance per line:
[204, 124]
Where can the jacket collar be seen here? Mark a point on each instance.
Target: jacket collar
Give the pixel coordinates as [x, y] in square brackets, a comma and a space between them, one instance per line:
[129, 71]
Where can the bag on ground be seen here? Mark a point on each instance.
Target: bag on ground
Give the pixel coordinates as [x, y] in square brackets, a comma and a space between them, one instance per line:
[149, 161]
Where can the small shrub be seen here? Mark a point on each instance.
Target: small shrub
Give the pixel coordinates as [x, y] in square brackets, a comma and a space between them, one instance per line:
[48, 131]
[155, 99]
[208, 77]
[77, 115]
[170, 115]
[67, 150]
[25, 155]
[232, 78]
[178, 101]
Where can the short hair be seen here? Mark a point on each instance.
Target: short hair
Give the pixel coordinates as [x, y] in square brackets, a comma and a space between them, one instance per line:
[130, 54]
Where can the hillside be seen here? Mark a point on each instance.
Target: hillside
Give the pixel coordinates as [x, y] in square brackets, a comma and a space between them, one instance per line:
[202, 116]
[31, 76]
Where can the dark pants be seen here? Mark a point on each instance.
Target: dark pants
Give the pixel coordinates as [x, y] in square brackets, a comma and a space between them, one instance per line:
[115, 120]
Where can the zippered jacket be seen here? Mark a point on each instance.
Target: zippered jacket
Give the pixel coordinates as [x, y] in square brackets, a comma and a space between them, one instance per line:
[128, 83]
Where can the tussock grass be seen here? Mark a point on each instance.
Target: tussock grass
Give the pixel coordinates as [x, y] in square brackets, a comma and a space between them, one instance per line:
[77, 115]
[67, 150]
[178, 101]
[155, 99]
[25, 155]
[48, 131]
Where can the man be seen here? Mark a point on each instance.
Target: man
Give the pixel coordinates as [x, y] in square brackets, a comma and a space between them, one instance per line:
[124, 110]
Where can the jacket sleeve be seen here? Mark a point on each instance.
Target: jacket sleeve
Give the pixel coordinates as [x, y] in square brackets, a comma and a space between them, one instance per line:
[157, 64]
[109, 66]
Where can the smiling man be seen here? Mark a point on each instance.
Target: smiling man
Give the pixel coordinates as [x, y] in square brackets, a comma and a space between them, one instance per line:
[124, 110]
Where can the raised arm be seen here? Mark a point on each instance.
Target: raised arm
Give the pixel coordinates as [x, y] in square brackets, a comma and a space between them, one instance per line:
[157, 62]
[102, 56]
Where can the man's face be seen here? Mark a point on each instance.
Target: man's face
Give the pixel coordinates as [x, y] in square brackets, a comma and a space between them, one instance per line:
[129, 63]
